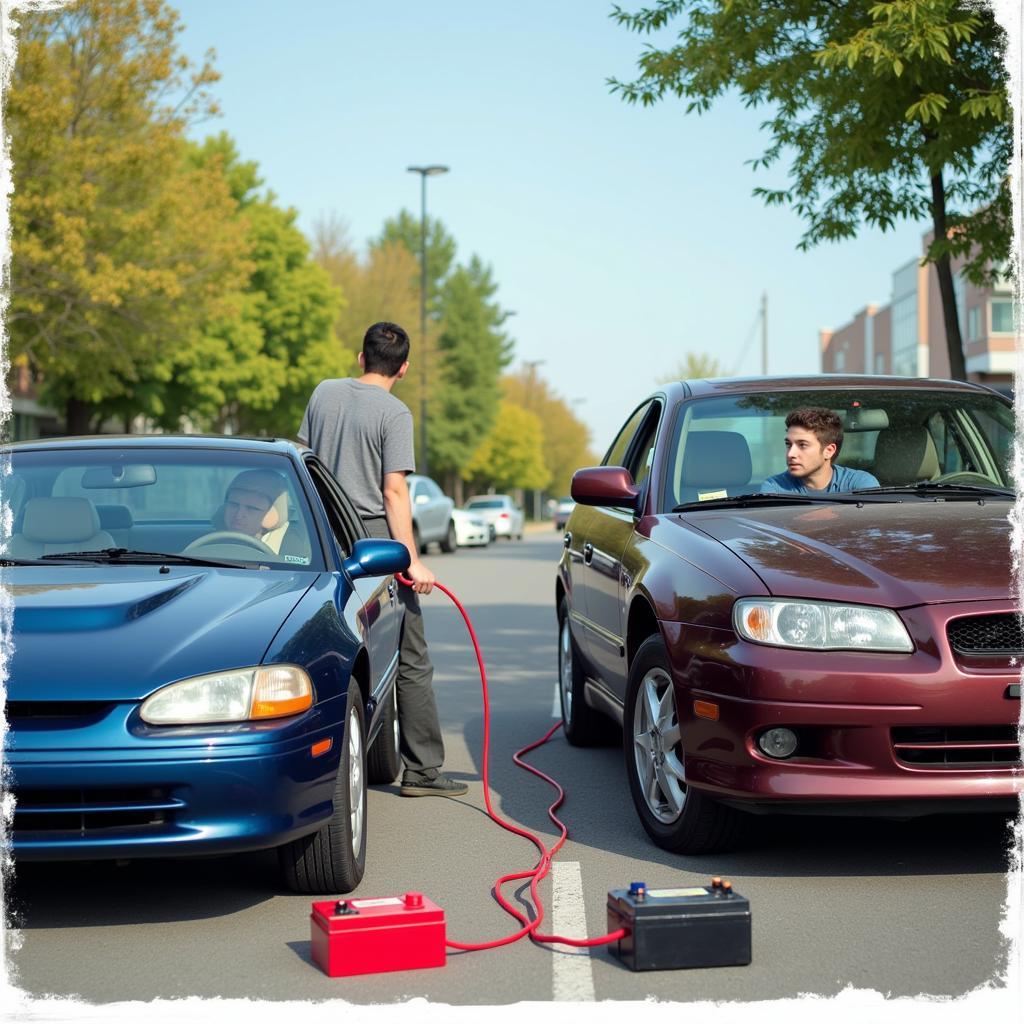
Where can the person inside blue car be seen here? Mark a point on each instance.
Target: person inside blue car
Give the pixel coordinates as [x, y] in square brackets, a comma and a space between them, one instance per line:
[814, 437]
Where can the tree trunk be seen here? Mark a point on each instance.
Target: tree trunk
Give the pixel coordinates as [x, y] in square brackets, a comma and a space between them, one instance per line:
[77, 416]
[944, 269]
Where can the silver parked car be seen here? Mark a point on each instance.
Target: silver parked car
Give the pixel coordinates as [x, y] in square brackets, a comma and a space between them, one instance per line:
[501, 512]
[432, 518]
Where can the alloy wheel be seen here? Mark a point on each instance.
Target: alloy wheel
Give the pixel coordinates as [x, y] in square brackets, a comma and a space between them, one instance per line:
[656, 747]
[565, 669]
[356, 787]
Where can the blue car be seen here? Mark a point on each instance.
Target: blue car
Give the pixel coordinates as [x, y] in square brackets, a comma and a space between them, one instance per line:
[204, 654]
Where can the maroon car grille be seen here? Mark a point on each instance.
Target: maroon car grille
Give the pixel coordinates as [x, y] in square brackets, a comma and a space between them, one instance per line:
[957, 746]
[986, 634]
[85, 812]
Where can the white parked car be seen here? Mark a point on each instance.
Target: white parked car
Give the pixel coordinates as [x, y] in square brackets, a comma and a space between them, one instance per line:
[432, 518]
[470, 529]
[501, 512]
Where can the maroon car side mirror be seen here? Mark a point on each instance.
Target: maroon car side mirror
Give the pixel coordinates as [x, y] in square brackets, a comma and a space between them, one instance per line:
[605, 487]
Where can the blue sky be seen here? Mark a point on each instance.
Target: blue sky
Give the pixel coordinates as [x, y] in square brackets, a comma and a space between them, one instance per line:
[622, 237]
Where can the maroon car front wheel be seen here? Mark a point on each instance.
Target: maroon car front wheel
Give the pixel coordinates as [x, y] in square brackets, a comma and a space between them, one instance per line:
[676, 816]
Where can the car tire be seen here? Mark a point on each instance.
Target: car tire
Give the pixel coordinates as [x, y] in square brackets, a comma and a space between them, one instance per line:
[677, 817]
[449, 544]
[333, 858]
[384, 758]
[421, 548]
[582, 725]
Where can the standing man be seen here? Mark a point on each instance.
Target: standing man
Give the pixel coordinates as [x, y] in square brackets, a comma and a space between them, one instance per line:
[363, 434]
[814, 437]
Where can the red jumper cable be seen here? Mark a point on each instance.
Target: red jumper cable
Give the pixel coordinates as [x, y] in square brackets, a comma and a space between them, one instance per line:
[540, 870]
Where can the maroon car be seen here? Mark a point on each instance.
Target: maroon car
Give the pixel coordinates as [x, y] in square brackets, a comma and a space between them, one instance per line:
[850, 652]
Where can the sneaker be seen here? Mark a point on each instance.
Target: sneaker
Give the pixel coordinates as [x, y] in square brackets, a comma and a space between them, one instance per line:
[440, 785]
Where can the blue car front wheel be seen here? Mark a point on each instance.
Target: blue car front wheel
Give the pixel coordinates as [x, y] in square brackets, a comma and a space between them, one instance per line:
[332, 859]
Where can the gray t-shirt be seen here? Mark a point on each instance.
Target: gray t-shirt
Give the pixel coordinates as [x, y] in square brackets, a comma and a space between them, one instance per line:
[360, 432]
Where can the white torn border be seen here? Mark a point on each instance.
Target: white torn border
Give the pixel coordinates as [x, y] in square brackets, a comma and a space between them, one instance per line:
[986, 1003]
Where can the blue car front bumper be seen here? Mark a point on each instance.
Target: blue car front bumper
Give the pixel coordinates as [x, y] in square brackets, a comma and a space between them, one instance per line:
[170, 792]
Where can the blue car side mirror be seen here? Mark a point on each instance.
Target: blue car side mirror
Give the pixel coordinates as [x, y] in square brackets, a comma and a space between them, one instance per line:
[376, 558]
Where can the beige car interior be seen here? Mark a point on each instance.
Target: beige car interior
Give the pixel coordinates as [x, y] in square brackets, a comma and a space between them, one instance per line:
[56, 525]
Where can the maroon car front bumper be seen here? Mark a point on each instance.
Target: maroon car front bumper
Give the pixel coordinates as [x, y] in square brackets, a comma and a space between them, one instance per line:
[878, 733]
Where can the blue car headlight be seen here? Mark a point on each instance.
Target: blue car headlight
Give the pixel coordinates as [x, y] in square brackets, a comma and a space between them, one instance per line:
[818, 625]
[238, 695]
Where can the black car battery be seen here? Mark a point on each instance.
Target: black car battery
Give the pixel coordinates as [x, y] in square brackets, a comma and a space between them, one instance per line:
[667, 929]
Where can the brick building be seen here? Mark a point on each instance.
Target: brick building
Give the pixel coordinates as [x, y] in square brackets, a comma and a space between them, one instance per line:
[907, 337]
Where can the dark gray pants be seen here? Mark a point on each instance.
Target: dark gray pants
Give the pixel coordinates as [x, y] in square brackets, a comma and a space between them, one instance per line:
[420, 731]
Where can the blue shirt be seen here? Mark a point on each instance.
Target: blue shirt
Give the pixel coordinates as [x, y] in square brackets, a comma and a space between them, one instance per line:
[843, 479]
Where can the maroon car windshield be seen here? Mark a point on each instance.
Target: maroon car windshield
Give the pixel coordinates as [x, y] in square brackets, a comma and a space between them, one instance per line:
[724, 447]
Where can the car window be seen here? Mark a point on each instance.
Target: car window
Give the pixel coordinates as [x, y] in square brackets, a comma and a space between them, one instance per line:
[617, 452]
[641, 454]
[432, 489]
[161, 500]
[725, 446]
[486, 503]
[345, 524]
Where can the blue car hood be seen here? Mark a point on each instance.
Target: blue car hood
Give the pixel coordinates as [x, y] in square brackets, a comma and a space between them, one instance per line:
[121, 632]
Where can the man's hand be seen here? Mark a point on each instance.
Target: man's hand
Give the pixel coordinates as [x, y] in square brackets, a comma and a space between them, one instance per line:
[423, 579]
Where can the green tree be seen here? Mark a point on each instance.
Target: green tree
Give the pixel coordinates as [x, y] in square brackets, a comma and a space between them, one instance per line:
[472, 351]
[405, 229]
[465, 349]
[252, 368]
[566, 439]
[694, 366]
[384, 285]
[120, 248]
[887, 111]
[511, 455]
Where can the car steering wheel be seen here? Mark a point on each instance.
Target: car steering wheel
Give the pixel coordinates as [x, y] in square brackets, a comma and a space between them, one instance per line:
[228, 537]
[965, 477]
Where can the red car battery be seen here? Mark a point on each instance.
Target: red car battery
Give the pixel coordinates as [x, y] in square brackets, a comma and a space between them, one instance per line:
[667, 929]
[369, 936]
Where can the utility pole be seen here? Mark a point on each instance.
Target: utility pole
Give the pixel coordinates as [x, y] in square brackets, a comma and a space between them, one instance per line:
[764, 334]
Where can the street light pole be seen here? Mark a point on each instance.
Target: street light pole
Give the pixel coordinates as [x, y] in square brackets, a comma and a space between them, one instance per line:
[532, 365]
[424, 173]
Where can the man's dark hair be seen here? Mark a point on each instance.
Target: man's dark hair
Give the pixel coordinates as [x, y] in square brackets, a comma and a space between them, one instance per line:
[824, 424]
[385, 348]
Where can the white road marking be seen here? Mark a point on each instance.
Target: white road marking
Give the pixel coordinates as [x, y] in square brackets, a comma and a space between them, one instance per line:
[572, 967]
[556, 707]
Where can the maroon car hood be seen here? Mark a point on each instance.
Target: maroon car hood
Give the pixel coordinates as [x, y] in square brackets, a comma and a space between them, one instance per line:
[894, 555]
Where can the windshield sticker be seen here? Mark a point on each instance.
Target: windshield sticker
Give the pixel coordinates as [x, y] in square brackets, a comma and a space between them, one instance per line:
[297, 559]
[711, 495]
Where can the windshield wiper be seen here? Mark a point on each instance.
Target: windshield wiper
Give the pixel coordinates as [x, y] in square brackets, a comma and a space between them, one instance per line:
[771, 498]
[926, 487]
[129, 557]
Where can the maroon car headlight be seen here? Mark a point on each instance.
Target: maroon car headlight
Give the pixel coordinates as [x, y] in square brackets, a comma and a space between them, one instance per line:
[819, 625]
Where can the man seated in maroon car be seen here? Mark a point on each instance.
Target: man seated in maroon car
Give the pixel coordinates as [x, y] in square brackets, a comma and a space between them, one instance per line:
[814, 437]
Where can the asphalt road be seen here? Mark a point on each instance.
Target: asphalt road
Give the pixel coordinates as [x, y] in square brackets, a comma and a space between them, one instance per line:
[901, 908]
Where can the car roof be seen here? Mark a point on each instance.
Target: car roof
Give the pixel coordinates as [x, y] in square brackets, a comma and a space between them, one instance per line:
[832, 381]
[219, 442]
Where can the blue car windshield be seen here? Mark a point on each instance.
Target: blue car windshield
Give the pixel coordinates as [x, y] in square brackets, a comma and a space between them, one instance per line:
[228, 505]
[725, 447]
